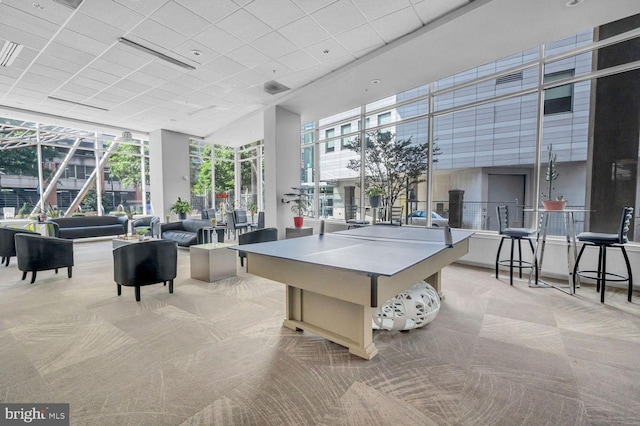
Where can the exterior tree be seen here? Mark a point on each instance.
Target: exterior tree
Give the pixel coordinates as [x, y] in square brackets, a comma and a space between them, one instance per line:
[391, 164]
[124, 164]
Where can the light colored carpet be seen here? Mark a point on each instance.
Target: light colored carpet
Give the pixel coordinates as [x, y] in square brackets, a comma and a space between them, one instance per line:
[216, 353]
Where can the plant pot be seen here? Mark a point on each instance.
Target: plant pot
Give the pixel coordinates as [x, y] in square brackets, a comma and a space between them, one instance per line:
[297, 221]
[554, 204]
[374, 201]
[140, 237]
[182, 216]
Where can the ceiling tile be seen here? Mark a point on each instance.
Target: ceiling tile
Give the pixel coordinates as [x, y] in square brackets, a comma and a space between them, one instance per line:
[327, 50]
[251, 77]
[362, 37]
[145, 78]
[248, 56]
[31, 38]
[273, 70]
[274, 45]
[180, 19]
[298, 60]
[191, 82]
[31, 77]
[111, 67]
[146, 7]
[211, 10]
[94, 28]
[339, 17]
[275, 13]
[160, 36]
[374, 9]
[98, 75]
[111, 13]
[311, 6]
[56, 62]
[69, 54]
[47, 10]
[304, 32]
[39, 68]
[88, 83]
[77, 89]
[225, 66]
[126, 56]
[433, 9]
[219, 40]
[81, 42]
[185, 51]
[207, 74]
[244, 25]
[162, 70]
[132, 86]
[397, 24]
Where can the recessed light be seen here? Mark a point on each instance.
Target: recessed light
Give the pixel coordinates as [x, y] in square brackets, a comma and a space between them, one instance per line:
[376, 81]
[572, 3]
[325, 51]
[196, 52]
[37, 5]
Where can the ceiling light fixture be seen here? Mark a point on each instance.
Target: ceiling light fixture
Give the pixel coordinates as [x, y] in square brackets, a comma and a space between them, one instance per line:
[196, 52]
[53, 98]
[572, 3]
[9, 52]
[376, 81]
[154, 53]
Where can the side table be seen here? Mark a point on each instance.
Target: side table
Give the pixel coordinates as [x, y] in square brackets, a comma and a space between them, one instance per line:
[212, 261]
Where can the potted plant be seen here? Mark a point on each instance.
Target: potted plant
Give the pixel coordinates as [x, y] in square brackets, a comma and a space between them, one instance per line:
[300, 200]
[181, 208]
[550, 176]
[375, 194]
[141, 231]
[253, 208]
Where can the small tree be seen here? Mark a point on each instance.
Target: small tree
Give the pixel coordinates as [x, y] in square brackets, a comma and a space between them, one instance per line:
[391, 164]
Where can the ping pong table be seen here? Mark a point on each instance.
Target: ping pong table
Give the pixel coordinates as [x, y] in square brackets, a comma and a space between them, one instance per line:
[336, 281]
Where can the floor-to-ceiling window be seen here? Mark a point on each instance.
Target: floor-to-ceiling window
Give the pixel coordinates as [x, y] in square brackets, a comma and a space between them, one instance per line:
[64, 171]
[493, 127]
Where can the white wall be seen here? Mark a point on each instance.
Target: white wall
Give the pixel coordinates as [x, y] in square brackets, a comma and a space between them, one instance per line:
[281, 164]
[169, 170]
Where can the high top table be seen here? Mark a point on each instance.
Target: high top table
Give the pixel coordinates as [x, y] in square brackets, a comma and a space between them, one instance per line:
[336, 281]
[572, 251]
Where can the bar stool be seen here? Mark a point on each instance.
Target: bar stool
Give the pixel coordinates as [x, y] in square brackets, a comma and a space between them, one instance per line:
[514, 234]
[603, 241]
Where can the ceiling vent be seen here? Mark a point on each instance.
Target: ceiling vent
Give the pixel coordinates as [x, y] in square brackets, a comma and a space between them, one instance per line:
[273, 87]
[73, 4]
[9, 52]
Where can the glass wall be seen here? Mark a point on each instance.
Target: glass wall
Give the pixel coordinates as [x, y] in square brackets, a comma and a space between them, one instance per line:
[64, 171]
[492, 130]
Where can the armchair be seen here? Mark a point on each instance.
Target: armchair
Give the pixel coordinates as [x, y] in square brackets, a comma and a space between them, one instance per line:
[257, 236]
[8, 243]
[39, 253]
[150, 222]
[145, 263]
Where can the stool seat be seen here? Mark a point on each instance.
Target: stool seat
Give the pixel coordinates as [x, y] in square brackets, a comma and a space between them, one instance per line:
[518, 232]
[604, 241]
[514, 234]
[600, 238]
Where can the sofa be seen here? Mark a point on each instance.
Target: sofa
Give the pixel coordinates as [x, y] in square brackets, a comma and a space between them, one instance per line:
[188, 232]
[8, 243]
[88, 226]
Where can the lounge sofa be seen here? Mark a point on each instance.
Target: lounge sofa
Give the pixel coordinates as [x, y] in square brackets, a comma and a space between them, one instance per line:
[88, 226]
[187, 232]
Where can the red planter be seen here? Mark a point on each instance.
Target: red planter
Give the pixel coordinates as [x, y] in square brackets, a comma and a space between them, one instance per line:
[297, 221]
[554, 204]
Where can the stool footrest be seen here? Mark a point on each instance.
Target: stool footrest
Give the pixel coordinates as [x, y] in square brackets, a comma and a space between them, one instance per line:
[595, 275]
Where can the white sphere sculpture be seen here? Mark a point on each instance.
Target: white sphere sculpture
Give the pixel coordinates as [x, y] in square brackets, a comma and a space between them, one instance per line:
[410, 309]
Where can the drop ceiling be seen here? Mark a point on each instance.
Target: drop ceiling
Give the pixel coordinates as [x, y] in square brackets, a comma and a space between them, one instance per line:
[326, 52]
